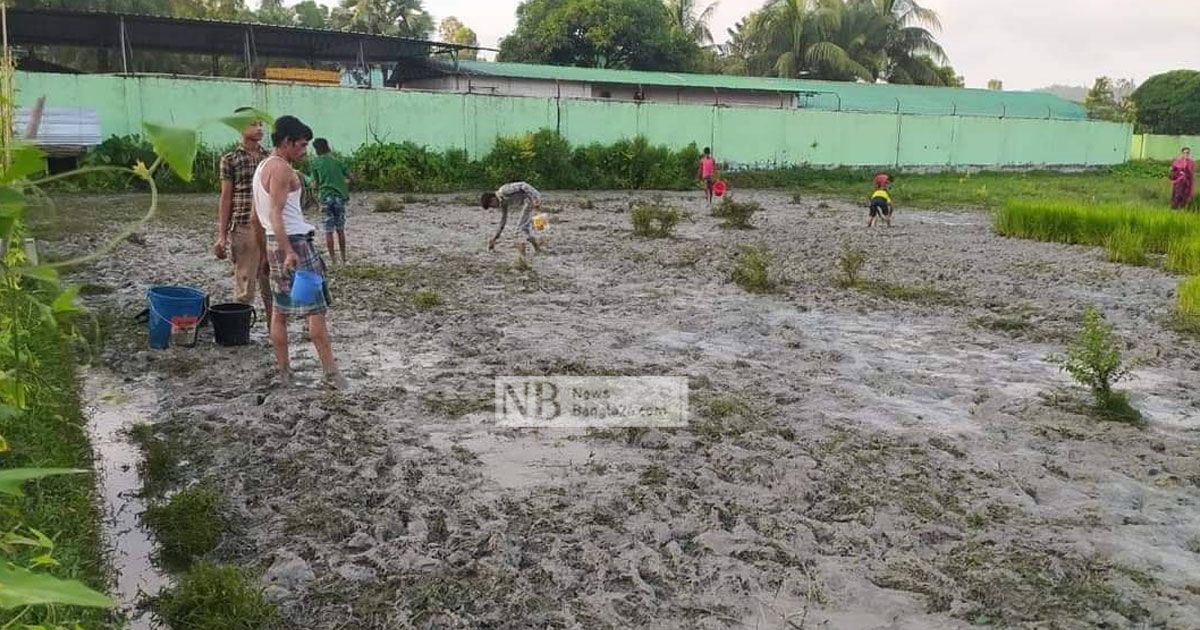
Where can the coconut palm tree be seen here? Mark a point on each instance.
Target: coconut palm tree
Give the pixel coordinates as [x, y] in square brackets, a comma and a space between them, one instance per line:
[685, 17]
[406, 18]
[910, 45]
[814, 38]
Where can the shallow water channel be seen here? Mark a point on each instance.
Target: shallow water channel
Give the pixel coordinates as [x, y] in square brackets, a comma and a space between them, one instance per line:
[113, 406]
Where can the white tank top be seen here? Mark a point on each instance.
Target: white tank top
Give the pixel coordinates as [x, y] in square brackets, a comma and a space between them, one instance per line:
[293, 218]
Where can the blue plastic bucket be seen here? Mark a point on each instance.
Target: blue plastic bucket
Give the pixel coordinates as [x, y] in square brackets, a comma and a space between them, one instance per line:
[306, 287]
[172, 301]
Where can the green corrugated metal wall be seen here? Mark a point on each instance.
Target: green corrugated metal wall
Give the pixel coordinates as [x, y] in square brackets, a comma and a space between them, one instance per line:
[1154, 147]
[741, 136]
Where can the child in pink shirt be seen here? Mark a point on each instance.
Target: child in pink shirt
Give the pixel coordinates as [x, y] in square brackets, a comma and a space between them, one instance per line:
[708, 173]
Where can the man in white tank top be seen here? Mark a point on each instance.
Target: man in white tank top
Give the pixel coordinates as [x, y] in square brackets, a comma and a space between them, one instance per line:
[290, 246]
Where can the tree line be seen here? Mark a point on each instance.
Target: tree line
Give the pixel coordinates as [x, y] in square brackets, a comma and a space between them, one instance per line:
[842, 40]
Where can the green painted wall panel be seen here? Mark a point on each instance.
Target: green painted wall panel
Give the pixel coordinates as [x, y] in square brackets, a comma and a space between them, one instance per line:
[350, 117]
[1159, 147]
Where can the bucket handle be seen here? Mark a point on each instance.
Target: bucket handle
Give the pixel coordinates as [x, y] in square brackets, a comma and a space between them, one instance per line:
[199, 319]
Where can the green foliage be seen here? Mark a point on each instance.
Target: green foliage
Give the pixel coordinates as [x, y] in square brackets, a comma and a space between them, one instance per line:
[126, 151]
[1126, 246]
[1183, 255]
[736, 215]
[188, 526]
[840, 40]
[1094, 360]
[1088, 224]
[214, 597]
[655, 221]
[850, 262]
[1137, 183]
[632, 34]
[410, 167]
[1102, 102]
[1188, 303]
[1169, 103]
[22, 587]
[752, 269]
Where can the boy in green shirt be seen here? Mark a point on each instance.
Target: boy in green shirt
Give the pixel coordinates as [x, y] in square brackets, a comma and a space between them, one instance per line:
[331, 179]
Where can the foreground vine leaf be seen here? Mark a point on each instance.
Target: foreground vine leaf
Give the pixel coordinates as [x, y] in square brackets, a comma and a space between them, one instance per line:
[21, 587]
[241, 120]
[12, 478]
[176, 146]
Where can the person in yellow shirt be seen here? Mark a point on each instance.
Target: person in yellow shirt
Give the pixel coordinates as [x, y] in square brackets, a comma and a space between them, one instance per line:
[881, 201]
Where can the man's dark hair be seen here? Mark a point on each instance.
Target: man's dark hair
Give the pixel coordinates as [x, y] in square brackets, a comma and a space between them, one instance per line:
[706, 151]
[486, 199]
[321, 145]
[290, 128]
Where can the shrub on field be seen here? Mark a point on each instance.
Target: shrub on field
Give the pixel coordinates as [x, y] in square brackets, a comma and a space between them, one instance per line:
[850, 263]
[655, 221]
[752, 269]
[1094, 360]
[736, 215]
[1126, 246]
[128, 151]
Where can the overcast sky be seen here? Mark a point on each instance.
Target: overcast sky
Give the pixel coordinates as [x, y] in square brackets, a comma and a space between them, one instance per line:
[1025, 43]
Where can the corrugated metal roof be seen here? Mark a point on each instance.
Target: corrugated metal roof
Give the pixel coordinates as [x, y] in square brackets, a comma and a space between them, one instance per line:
[825, 95]
[62, 126]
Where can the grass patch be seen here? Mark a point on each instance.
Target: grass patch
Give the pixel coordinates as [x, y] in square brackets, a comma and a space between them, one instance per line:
[1089, 224]
[50, 433]
[426, 299]
[215, 597]
[736, 215]
[1183, 256]
[188, 526]
[915, 293]
[727, 416]
[1012, 586]
[159, 468]
[752, 269]
[1188, 302]
[456, 406]
[372, 273]
[1126, 246]
[387, 205]
[1138, 183]
[655, 221]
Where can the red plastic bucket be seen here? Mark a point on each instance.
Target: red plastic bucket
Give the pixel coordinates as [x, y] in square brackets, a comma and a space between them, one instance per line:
[720, 187]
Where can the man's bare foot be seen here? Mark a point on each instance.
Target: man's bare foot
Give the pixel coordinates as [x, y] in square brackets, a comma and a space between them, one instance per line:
[285, 377]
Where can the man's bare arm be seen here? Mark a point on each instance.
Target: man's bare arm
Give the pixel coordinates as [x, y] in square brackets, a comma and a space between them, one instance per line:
[503, 220]
[278, 184]
[224, 216]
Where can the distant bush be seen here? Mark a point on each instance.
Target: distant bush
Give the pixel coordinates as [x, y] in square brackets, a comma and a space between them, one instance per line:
[387, 203]
[128, 151]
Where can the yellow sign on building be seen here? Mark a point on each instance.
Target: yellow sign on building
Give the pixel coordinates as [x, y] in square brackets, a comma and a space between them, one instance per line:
[304, 75]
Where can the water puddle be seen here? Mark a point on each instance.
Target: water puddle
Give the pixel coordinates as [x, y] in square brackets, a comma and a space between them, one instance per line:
[112, 407]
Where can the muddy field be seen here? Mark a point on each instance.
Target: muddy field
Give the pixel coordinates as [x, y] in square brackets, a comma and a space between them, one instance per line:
[905, 455]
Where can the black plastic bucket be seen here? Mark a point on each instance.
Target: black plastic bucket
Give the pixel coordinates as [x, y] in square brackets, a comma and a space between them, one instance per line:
[231, 323]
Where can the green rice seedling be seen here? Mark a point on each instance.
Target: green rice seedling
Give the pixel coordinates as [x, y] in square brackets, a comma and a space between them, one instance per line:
[655, 221]
[1126, 246]
[1188, 303]
[212, 597]
[752, 269]
[850, 263]
[1094, 360]
[1183, 255]
[1090, 224]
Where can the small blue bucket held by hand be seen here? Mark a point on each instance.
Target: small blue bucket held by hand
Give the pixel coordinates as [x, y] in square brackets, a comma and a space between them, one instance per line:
[306, 287]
